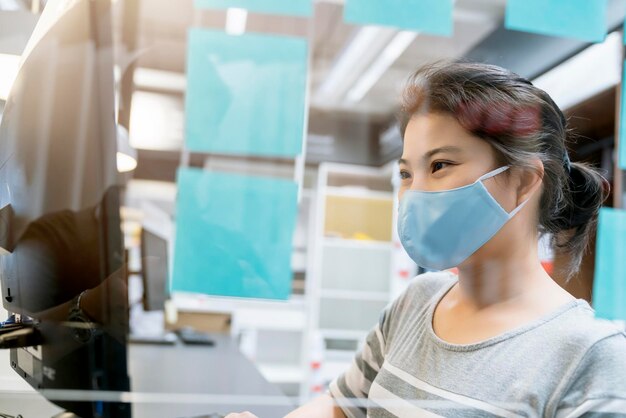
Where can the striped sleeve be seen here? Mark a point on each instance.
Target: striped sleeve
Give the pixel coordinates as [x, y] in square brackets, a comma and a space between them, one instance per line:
[351, 389]
[598, 387]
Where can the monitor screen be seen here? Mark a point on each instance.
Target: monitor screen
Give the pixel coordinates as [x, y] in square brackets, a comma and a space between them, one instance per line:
[60, 224]
[154, 270]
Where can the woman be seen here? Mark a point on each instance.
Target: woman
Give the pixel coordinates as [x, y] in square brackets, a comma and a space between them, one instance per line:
[485, 172]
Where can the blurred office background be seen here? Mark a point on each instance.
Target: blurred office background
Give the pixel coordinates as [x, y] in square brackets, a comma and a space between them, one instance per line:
[323, 196]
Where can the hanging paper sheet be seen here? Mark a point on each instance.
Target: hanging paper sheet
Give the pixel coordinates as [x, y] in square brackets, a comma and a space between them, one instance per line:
[621, 145]
[585, 20]
[609, 285]
[234, 234]
[428, 16]
[245, 94]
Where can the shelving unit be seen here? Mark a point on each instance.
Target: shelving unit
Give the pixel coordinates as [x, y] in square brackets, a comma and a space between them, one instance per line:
[357, 263]
[350, 274]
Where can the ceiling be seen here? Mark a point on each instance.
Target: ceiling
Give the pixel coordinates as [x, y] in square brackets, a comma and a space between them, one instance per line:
[152, 34]
[158, 41]
[163, 26]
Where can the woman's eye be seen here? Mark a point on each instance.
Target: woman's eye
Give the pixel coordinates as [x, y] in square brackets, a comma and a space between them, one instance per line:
[438, 165]
[404, 175]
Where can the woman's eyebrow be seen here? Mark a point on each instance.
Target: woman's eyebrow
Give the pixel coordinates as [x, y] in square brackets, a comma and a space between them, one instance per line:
[447, 149]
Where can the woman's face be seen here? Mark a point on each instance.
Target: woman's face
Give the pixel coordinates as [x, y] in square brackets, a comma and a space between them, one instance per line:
[438, 154]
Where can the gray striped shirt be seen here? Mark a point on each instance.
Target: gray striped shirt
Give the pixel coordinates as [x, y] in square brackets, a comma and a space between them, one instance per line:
[565, 364]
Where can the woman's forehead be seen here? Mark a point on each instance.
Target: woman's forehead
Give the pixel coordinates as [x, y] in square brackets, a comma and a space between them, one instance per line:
[428, 132]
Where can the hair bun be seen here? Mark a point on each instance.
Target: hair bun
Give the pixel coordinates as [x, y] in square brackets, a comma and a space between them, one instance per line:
[588, 191]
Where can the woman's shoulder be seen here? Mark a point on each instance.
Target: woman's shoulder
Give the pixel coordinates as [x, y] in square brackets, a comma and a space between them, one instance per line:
[431, 283]
[581, 327]
[598, 378]
[423, 287]
[595, 337]
[415, 299]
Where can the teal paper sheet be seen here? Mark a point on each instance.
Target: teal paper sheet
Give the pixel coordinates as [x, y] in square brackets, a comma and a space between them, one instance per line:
[585, 20]
[622, 123]
[234, 234]
[280, 7]
[245, 94]
[609, 286]
[428, 16]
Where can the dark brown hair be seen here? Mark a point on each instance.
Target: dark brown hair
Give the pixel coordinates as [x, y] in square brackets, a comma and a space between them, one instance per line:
[521, 122]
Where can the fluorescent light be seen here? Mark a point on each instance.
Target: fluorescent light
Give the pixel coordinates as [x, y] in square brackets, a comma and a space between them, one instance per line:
[9, 66]
[11, 5]
[149, 79]
[390, 54]
[360, 65]
[125, 163]
[586, 74]
[357, 51]
[156, 121]
[126, 155]
[236, 21]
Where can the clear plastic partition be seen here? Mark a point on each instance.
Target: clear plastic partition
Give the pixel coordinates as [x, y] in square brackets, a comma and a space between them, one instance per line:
[200, 203]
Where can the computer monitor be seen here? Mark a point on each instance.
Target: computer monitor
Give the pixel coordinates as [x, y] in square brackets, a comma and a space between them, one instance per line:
[154, 270]
[59, 204]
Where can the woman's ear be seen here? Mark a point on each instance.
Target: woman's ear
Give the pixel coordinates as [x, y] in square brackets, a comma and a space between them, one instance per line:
[530, 180]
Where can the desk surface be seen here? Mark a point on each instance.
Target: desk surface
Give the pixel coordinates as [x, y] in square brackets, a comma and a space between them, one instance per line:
[198, 374]
[183, 381]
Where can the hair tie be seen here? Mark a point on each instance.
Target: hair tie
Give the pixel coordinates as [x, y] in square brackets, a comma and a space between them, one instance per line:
[567, 163]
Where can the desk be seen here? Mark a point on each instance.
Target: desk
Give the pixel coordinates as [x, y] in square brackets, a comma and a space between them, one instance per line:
[200, 370]
[181, 381]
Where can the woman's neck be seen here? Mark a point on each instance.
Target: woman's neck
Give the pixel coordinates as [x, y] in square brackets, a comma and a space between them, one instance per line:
[508, 279]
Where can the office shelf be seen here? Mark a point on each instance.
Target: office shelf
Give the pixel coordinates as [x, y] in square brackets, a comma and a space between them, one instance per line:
[352, 250]
[282, 373]
[357, 243]
[343, 334]
[355, 258]
[354, 294]
[339, 356]
[351, 217]
[358, 193]
[196, 302]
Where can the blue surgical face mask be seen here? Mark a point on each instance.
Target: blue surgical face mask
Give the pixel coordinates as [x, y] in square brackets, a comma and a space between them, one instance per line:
[441, 229]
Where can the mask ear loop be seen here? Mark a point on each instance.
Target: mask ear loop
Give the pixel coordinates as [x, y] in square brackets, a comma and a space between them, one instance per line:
[517, 209]
[493, 173]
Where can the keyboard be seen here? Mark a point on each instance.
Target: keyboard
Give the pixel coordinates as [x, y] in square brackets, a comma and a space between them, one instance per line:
[189, 336]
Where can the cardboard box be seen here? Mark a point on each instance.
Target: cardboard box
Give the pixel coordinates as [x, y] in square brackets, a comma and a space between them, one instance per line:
[201, 321]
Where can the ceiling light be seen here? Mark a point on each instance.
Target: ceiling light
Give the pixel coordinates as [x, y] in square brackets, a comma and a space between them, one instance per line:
[354, 59]
[156, 121]
[367, 56]
[236, 21]
[166, 81]
[9, 66]
[126, 155]
[11, 5]
[390, 54]
[125, 163]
